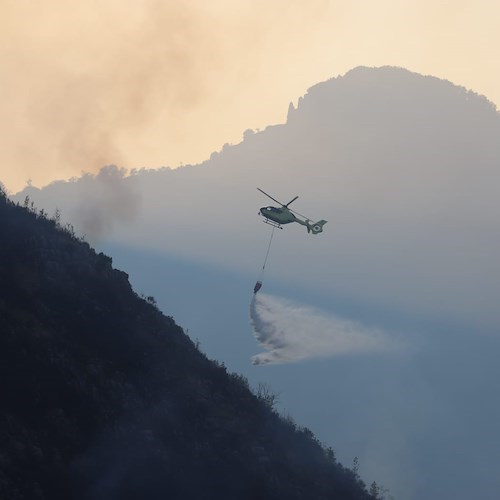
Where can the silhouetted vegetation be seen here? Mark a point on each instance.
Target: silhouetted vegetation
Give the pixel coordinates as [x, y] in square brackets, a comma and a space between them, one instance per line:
[104, 397]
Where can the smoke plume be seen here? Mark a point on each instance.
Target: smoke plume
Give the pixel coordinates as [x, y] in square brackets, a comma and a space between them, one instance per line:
[103, 201]
[292, 332]
[85, 84]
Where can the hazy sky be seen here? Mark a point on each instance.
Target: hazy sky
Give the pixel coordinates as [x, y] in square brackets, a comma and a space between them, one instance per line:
[159, 83]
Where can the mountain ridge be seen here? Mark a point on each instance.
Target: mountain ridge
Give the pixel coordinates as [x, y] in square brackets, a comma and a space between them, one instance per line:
[389, 82]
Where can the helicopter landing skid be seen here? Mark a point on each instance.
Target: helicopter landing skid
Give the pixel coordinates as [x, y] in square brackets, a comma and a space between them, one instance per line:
[271, 223]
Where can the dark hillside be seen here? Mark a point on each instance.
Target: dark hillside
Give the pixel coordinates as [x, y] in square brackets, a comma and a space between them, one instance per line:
[104, 397]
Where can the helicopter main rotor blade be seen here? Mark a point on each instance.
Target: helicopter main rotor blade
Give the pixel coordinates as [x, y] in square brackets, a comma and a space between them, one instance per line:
[300, 215]
[290, 202]
[279, 202]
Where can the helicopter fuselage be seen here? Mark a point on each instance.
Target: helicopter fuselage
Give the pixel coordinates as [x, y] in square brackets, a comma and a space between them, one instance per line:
[278, 215]
[283, 215]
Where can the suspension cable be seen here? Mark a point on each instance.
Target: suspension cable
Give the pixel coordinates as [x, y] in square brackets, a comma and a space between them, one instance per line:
[268, 249]
[258, 285]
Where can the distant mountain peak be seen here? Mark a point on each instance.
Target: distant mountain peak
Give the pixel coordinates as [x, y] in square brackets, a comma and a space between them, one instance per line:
[387, 87]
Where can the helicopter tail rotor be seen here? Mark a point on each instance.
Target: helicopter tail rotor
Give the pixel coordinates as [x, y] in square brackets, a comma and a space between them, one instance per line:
[315, 227]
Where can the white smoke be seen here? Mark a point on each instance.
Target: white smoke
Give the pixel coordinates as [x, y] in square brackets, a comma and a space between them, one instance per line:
[291, 332]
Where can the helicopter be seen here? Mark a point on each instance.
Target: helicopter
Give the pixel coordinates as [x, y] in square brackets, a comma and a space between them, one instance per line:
[283, 215]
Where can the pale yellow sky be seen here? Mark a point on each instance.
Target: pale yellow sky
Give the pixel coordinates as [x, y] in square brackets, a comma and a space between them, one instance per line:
[150, 83]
